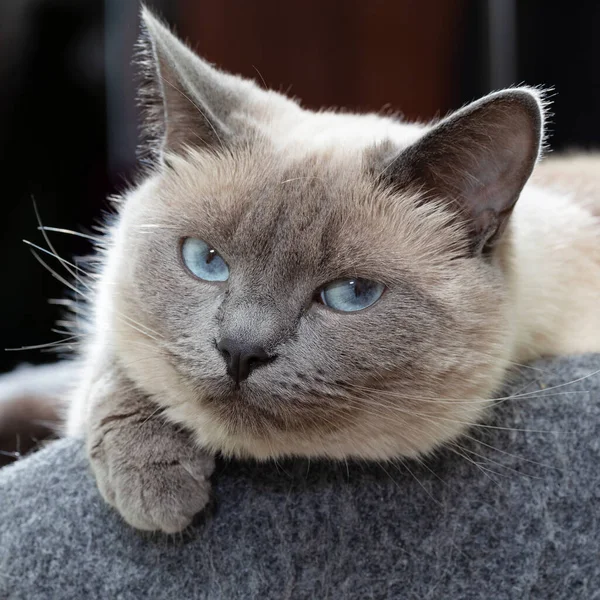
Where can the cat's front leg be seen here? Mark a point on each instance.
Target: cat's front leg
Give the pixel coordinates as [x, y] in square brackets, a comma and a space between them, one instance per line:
[147, 468]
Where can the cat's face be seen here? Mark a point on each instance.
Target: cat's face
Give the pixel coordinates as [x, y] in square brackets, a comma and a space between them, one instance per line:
[400, 373]
[287, 218]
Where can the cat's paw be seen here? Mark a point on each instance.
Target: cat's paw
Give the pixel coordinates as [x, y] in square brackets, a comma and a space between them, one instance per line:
[150, 472]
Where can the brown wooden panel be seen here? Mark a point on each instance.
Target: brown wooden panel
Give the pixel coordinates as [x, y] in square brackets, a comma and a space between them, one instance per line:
[351, 53]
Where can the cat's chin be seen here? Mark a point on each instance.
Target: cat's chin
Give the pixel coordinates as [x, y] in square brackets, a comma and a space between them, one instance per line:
[237, 425]
[351, 444]
[251, 409]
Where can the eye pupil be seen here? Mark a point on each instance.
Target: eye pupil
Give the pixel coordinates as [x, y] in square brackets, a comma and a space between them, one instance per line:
[203, 261]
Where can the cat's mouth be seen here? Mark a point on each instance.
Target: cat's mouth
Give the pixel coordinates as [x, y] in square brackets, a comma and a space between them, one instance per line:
[247, 409]
[272, 400]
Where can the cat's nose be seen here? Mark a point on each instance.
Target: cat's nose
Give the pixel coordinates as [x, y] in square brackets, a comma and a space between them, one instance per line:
[241, 357]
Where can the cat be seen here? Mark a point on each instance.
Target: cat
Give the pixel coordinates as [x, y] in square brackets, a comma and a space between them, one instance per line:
[283, 282]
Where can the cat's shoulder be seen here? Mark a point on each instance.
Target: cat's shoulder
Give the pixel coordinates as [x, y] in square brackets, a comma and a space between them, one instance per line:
[576, 174]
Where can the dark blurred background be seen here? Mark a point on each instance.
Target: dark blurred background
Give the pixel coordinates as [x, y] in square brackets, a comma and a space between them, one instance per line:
[68, 117]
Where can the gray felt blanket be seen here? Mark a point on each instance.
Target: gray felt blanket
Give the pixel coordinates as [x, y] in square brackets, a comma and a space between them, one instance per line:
[514, 513]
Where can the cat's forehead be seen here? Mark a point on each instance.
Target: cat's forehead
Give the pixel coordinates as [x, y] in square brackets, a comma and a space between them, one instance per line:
[314, 211]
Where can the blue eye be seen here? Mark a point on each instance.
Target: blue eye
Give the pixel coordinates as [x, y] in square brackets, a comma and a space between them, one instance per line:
[349, 295]
[203, 261]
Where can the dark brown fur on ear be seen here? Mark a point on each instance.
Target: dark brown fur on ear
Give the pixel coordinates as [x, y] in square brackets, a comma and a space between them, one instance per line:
[477, 160]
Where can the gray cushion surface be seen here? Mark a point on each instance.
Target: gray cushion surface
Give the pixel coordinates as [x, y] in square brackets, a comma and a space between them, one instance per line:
[513, 513]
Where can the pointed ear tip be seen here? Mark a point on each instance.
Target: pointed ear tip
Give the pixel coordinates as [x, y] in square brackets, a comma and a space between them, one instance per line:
[529, 98]
[529, 101]
[532, 101]
[149, 18]
[145, 12]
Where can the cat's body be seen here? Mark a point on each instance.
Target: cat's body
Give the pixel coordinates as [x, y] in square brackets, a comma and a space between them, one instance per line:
[556, 259]
[251, 362]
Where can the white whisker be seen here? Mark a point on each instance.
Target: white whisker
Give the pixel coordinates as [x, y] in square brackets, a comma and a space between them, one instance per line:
[534, 462]
[62, 260]
[56, 275]
[465, 449]
[64, 342]
[53, 250]
[69, 232]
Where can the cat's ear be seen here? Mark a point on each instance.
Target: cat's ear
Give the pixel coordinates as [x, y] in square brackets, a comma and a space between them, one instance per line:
[185, 101]
[477, 159]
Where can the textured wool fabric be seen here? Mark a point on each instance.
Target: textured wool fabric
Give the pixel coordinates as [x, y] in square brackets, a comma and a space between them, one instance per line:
[513, 513]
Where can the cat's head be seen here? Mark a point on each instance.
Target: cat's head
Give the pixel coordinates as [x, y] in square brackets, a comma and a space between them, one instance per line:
[290, 282]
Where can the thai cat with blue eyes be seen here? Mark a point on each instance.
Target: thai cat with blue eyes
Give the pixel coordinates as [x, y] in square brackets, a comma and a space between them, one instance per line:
[292, 283]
